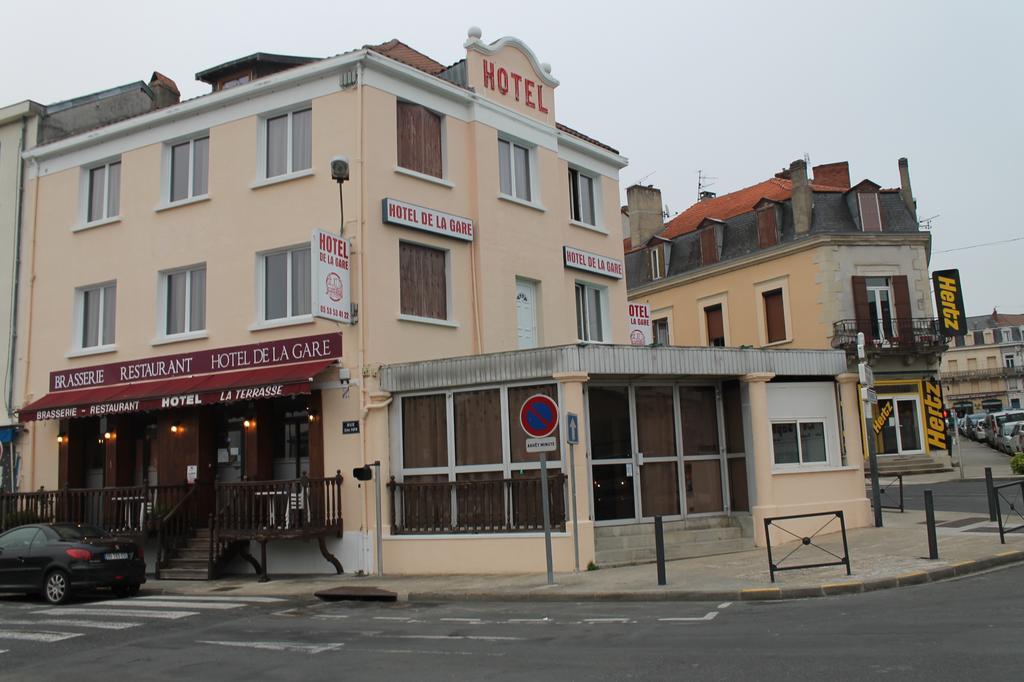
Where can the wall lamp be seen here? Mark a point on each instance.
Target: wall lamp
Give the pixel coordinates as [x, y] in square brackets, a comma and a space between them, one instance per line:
[177, 428]
[249, 423]
[62, 438]
[110, 435]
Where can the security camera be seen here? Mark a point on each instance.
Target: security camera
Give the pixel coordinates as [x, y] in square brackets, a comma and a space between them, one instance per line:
[339, 168]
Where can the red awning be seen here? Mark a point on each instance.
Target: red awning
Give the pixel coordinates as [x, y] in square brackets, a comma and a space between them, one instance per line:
[200, 389]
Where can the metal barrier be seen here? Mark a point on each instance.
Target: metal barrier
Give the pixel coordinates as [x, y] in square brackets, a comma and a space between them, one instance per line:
[1015, 502]
[806, 541]
[897, 480]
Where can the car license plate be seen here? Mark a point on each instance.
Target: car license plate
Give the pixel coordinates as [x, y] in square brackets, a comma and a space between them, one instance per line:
[118, 556]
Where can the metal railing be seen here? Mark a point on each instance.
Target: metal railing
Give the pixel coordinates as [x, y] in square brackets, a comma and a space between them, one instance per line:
[488, 506]
[888, 492]
[907, 334]
[125, 509]
[1014, 501]
[805, 541]
[983, 373]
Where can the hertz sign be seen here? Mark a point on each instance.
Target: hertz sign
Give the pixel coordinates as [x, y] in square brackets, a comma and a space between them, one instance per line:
[949, 302]
[935, 425]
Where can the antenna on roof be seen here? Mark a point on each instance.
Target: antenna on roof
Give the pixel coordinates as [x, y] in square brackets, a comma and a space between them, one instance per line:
[926, 223]
[807, 160]
[702, 185]
[641, 180]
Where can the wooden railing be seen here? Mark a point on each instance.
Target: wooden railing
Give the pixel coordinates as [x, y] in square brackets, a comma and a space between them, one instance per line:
[496, 506]
[128, 509]
[256, 509]
[173, 527]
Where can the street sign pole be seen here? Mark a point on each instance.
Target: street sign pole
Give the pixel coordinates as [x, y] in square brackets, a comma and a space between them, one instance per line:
[380, 531]
[545, 506]
[573, 438]
[876, 491]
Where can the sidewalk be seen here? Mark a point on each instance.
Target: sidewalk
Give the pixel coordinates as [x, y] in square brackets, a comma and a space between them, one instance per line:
[892, 556]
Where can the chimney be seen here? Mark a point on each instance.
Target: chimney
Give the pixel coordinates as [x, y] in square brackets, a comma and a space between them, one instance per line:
[645, 217]
[705, 195]
[802, 200]
[165, 91]
[905, 193]
[833, 174]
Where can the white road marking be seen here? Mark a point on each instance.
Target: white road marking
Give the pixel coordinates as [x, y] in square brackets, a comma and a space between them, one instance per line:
[215, 606]
[472, 621]
[130, 613]
[422, 652]
[180, 597]
[483, 638]
[607, 620]
[4, 651]
[710, 615]
[329, 615]
[405, 618]
[529, 620]
[38, 636]
[98, 624]
[725, 605]
[280, 646]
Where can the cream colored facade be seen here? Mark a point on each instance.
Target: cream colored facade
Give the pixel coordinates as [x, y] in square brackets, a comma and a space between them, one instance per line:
[353, 100]
[986, 371]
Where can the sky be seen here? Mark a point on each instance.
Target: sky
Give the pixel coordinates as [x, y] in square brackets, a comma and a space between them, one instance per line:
[734, 89]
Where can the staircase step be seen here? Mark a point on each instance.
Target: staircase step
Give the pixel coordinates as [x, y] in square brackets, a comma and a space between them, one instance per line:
[697, 523]
[187, 563]
[192, 554]
[183, 574]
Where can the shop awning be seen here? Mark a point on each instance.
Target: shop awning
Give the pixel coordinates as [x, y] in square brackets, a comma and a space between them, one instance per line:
[200, 389]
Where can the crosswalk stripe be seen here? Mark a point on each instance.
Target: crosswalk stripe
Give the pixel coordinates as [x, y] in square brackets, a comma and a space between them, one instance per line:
[214, 606]
[129, 613]
[280, 646]
[97, 624]
[38, 636]
[185, 597]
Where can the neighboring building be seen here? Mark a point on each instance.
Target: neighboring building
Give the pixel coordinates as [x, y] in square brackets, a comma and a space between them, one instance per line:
[983, 371]
[798, 263]
[23, 126]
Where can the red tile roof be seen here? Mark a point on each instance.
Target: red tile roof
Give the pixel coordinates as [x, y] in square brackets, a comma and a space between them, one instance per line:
[733, 204]
[399, 51]
[585, 138]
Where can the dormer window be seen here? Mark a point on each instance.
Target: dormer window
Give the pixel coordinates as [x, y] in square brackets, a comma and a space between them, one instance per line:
[767, 224]
[870, 214]
[657, 262]
[711, 232]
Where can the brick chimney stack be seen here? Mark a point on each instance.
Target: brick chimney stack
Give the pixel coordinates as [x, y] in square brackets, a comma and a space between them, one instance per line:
[645, 217]
[905, 192]
[165, 91]
[802, 199]
[832, 174]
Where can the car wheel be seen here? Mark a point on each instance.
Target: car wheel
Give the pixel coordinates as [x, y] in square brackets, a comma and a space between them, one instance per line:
[123, 591]
[56, 587]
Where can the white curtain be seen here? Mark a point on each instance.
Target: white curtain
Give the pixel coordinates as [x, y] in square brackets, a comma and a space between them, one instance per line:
[200, 166]
[302, 140]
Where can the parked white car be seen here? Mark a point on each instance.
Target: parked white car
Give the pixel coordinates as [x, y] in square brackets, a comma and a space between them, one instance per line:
[1004, 440]
[1017, 439]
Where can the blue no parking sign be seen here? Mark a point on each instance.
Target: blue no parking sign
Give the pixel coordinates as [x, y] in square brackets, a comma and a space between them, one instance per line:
[539, 416]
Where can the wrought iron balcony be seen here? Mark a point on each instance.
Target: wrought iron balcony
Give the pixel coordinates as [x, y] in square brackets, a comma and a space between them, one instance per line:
[908, 335]
[983, 373]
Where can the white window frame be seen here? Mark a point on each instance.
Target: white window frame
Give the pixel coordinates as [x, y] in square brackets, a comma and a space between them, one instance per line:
[531, 152]
[1009, 360]
[797, 421]
[162, 334]
[261, 146]
[721, 299]
[602, 302]
[448, 321]
[261, 289]
[444, 180]
[896, 397]
[595, 198]
[886, 334]
[86, 193]
[656, 260]
[79, 348]
[760, 289]
[168, 170]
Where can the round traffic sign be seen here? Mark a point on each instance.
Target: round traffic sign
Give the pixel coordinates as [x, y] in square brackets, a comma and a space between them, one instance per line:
[539, 416]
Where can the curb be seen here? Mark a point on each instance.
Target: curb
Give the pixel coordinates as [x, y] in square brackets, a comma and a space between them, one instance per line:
[937, 574]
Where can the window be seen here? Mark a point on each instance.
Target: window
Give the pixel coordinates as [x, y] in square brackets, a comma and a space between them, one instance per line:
[715, 325]
[423, 280]
[589, 313]
[660, 330]
[979, 338]
[184, 301]
[289, 143]
[104, 192]
[190, 174]
[767, 227]
[419, 139]
[799, 442]
[774, 315]
[514, 170]
[870, 215]
[581, 197]
[287, 287]
[96, 309]
[1008, 360]
[656, 262]
[1004, 335]
[880, 307]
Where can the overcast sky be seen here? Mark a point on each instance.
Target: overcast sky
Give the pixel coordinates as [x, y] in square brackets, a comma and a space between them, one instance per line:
[735, 89]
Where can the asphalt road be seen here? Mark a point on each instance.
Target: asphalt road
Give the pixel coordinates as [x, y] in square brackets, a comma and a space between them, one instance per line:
[965, 629]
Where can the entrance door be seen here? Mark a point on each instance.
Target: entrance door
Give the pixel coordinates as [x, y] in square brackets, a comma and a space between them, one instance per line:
[230, 450]
[703, 454]
[611, 452]
[526, 313]
[291, 456]
[901, 432]
[657, 456]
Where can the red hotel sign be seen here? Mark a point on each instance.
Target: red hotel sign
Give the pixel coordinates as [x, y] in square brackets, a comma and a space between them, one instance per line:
[427, 219]
[592, 262]
[251, 356]
[521, 88]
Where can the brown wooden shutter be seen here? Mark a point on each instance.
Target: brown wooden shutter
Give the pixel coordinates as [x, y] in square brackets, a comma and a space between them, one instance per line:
[419, 139]
[407, 119]
[430, 142]
[870, 216]
[901, 303]
[860, 307]
[423, 281]
[708, 246]
[424, 431]
[716, 330]
[774, 315]
[767, 228]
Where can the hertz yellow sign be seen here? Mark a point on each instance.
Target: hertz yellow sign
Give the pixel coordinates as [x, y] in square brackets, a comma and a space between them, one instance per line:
[883, 416]
[935, 425]
[949, 302]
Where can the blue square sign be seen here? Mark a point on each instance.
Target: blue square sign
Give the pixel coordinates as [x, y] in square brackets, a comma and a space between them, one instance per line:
[572, 428]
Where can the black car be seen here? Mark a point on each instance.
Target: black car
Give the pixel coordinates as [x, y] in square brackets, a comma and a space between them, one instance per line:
[53, 559]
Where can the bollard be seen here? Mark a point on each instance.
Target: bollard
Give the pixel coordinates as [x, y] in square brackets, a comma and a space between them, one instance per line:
[659, 548]
[547, 517]
[991, 493]
[929, 515]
